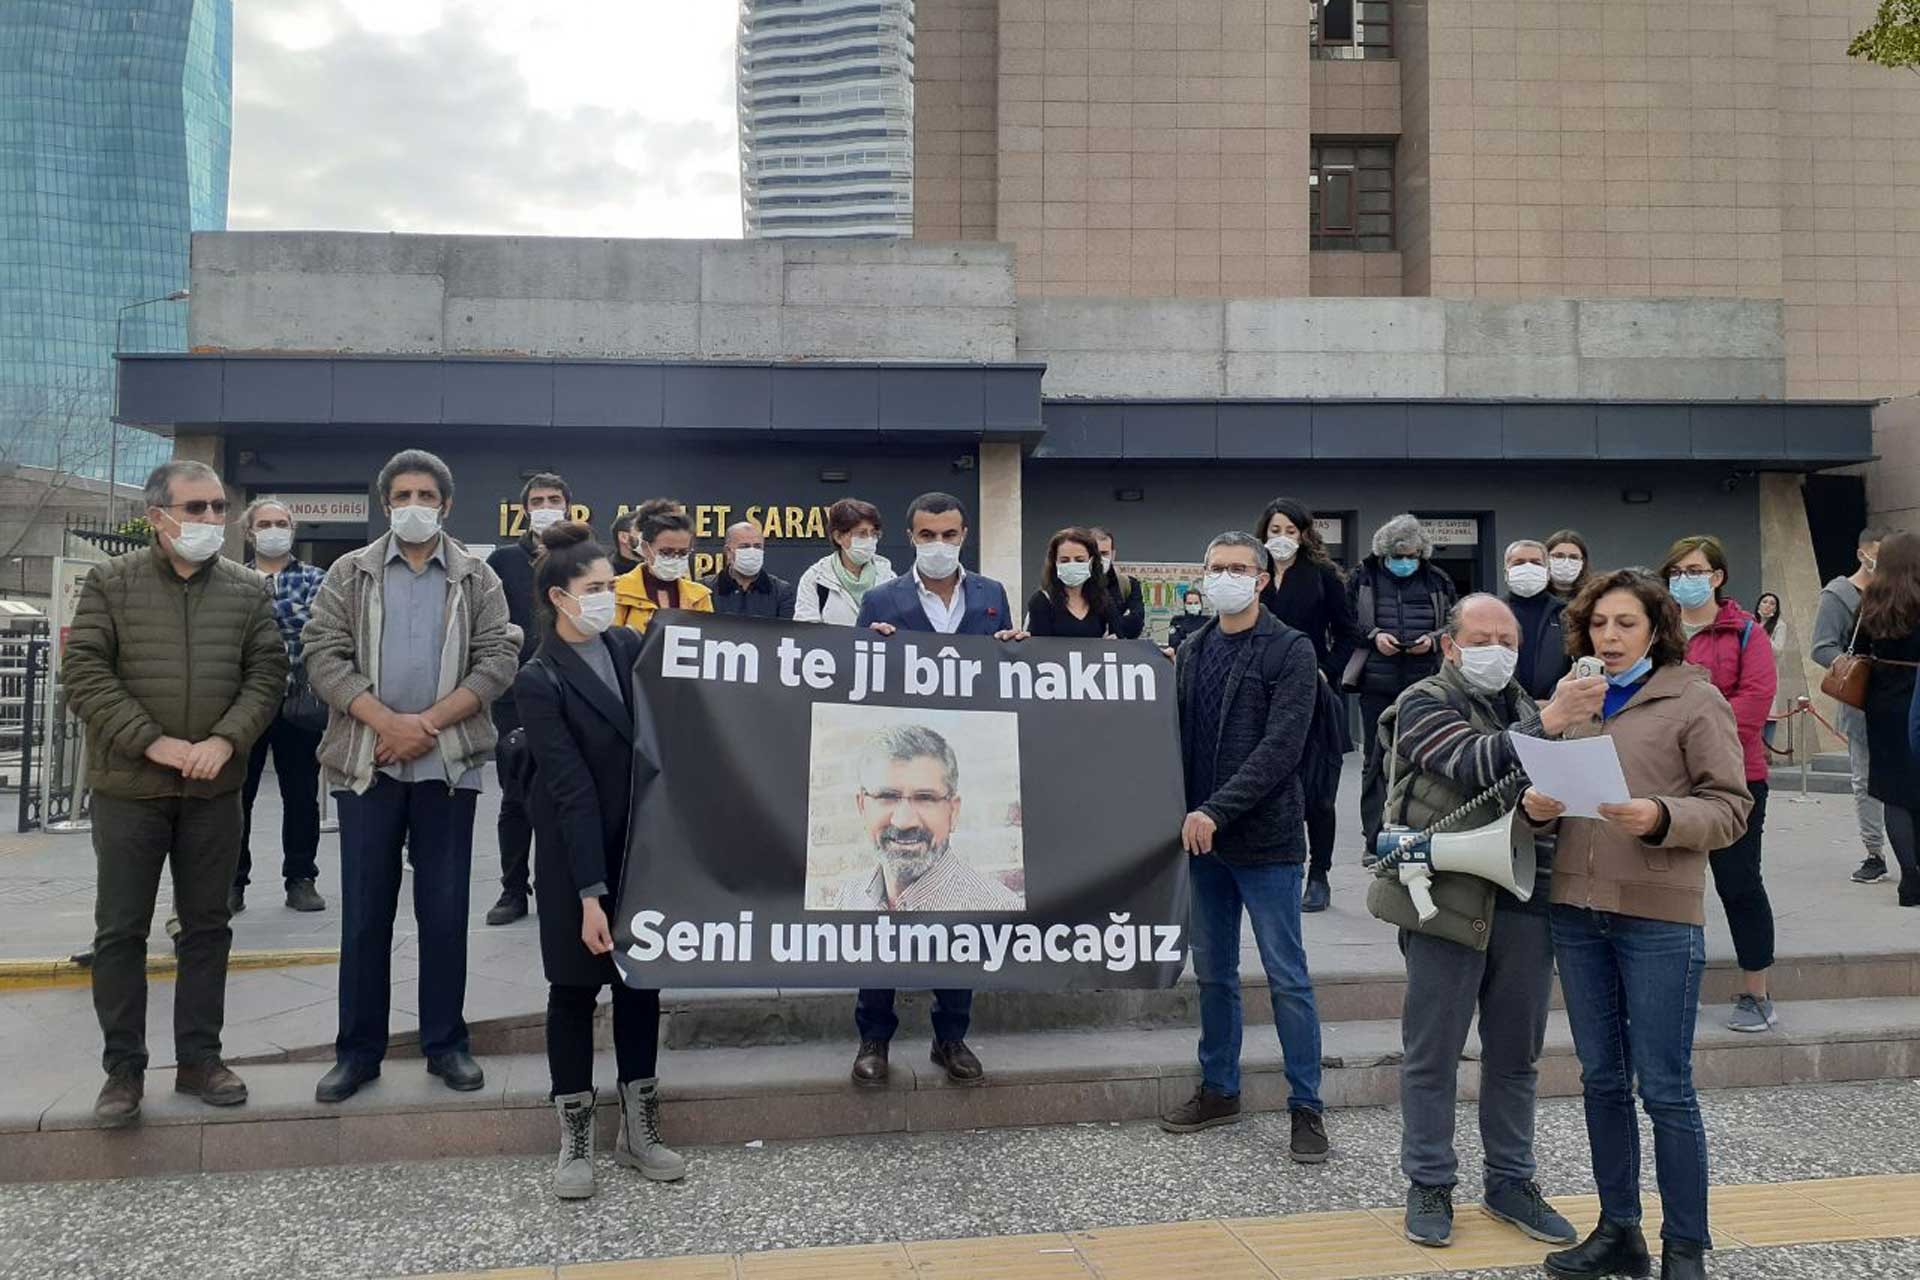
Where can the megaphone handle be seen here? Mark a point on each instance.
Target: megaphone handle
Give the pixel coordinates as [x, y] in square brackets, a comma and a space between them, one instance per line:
[1419, 882]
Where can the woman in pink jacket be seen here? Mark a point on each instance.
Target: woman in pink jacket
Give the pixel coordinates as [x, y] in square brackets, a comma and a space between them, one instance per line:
[1736, 651]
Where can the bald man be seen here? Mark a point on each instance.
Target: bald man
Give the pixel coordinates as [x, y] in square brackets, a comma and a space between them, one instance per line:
[743, 587]
[1448, 739]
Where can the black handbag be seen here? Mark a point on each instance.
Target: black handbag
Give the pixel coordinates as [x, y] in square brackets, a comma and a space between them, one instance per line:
[303, 709]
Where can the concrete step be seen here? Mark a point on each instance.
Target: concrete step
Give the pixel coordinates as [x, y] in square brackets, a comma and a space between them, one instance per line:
[801, 1091]
[1785, 780]
[1832, 762]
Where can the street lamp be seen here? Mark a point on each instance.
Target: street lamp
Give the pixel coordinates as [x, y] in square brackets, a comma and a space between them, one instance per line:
[113, 446]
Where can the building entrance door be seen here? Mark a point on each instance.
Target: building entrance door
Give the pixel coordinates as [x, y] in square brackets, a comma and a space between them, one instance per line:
[1456, 547]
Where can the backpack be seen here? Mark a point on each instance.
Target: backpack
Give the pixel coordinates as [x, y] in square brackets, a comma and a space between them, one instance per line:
[1326, 746]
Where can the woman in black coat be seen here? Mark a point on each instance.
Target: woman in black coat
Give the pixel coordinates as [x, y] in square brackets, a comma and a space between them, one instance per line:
[1889, 629]
[1309, 594]
[575, 703]
[1072, 599]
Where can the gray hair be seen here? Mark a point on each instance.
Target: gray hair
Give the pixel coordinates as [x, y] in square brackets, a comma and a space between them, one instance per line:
[911, 742]
[160, 480]
[254, 508]
[1457, 616]
[1235, 538]
[1518, 543]
[416, 460]
[1404, 530]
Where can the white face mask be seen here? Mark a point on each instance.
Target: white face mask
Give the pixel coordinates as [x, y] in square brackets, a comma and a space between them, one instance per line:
[1193, 609]
[748, 561]
[542, 519]
[937, 559]
[668, 568]
[415, 524]
[273, 543]
[1229, 593]
[1074, 573]
[1527, 580]
[1565, 568]
[860, 550]
[1488, 667]
[596, 611]
[1283, 548]
[198, 543]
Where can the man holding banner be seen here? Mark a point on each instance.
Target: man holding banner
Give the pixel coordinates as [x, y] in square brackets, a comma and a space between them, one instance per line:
[1247, 684]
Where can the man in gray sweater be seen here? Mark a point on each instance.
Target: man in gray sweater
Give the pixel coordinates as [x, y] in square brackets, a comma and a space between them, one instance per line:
[1833, 629]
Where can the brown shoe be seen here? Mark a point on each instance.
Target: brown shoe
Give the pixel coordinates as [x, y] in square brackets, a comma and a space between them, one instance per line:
[870, 1064]
[119, 1100]
[212, 1081]
[953, 1057]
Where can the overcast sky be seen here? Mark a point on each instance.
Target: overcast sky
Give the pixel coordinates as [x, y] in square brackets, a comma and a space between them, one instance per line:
[530, 117]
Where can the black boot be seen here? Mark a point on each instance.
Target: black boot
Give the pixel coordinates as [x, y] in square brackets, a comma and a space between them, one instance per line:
[1614, 1249]
[1682, 1260]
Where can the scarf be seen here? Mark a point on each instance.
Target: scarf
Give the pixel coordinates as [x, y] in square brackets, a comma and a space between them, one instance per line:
[857, 584]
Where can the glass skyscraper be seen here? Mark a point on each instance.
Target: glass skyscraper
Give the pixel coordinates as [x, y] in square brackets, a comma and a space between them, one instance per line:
[115, 124]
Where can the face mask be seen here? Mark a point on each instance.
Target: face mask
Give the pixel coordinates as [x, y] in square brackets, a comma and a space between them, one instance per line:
[937, 559]
[860, 550]
[1193, 610]
[1402, 566]
[668, 568]
[543, 518]
[198, 543]
[1488, 667]
[1634, 673]
[748, 561]
[1870, 564]
[274, 543]
[1526, 580]
[415, 524]
[1281, 547]
[1229, 593]
[1688, 592]
[1073, 572]
[596, 611]
[1565, 569]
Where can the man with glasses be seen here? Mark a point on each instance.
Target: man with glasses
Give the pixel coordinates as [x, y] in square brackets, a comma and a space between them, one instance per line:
[909, 802]
[176, 666]
[939, 596]
[1246, 684]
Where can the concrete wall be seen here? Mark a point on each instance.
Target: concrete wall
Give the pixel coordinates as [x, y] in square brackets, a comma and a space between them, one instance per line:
[1411, 347]
[670, 299]
[1893, 483]
[1341, 273]
[956, 142]
[1354, 99]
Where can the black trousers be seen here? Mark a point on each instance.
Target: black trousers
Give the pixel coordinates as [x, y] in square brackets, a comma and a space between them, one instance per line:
[296, 763]
[1736, 878]
[132, 841]
[636, 1035]
[515, 827]
[1322, 819]
[1903, 834]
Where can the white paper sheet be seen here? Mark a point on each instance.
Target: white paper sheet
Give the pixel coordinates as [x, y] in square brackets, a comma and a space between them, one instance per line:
[1581, 773]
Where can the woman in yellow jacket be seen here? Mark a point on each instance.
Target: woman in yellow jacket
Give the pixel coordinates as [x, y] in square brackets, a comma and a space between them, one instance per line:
[661, 581]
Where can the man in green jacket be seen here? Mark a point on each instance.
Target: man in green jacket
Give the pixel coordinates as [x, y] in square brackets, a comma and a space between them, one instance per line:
[175, 665]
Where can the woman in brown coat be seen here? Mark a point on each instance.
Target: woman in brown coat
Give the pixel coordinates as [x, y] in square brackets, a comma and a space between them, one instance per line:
[1627, 917]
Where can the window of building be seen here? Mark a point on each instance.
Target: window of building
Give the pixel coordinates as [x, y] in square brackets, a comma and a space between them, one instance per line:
[1351, 28]
[1350, 196]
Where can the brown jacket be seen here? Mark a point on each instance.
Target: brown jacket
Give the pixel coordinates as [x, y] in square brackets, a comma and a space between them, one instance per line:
[1678, 745]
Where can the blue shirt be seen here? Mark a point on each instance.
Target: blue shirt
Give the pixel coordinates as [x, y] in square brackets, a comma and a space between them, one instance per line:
[413, 631]
[1618, 696]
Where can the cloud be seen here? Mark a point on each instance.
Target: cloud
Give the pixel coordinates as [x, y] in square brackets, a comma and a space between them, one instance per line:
[484, 116]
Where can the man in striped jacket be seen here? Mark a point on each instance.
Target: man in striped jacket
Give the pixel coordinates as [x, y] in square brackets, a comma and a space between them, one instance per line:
[1448, 740]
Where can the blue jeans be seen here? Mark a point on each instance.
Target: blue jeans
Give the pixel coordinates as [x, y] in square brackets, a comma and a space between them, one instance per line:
[436, 824]
[873, 1014]
[1633, 991]
[1270, 893]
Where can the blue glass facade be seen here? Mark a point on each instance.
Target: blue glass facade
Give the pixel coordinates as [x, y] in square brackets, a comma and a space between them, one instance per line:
[115, 124]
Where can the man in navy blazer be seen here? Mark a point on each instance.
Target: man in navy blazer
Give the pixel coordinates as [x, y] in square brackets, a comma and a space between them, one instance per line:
[937, 596]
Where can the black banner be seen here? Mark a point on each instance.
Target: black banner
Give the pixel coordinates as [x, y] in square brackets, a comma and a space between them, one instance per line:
[825, 807]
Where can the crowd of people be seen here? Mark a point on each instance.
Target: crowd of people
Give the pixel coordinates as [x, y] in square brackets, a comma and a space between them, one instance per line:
[393, 677]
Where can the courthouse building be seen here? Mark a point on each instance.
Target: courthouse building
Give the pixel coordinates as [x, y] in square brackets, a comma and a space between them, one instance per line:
[1640, 269]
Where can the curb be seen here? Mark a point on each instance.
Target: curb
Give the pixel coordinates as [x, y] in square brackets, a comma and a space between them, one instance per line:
[23, 975]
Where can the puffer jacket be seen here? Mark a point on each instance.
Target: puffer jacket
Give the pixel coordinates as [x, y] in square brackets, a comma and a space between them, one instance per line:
[1737, 652]
[1406, 608]
[1677, 745]
[634, 605]
[150, 656]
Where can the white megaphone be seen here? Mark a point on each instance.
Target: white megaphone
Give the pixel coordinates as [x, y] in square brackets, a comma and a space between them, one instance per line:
[1501, 851]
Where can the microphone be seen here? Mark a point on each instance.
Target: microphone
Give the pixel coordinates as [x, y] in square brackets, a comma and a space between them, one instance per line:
[1588, 666]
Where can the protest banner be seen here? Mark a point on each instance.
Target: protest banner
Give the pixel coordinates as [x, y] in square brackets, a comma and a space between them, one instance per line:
[826, 807]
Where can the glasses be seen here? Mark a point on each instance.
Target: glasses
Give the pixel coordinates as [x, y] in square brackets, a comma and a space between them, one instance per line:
[1693, 573]
[200, 506]
[922, 801]
[1234, 570]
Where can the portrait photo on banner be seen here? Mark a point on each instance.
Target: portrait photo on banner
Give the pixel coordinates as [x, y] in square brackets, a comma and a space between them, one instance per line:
[914, 810]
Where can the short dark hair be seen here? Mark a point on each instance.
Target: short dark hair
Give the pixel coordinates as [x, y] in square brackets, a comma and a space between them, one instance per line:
[1707, 545]
[1669, 638]
[1871, 534]
[545, 480]
[408, 461]
[937, 504]
[566, 550]
[849, 514]
[656, 516]
[911, 742]
[622, 523]
[160, 480]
